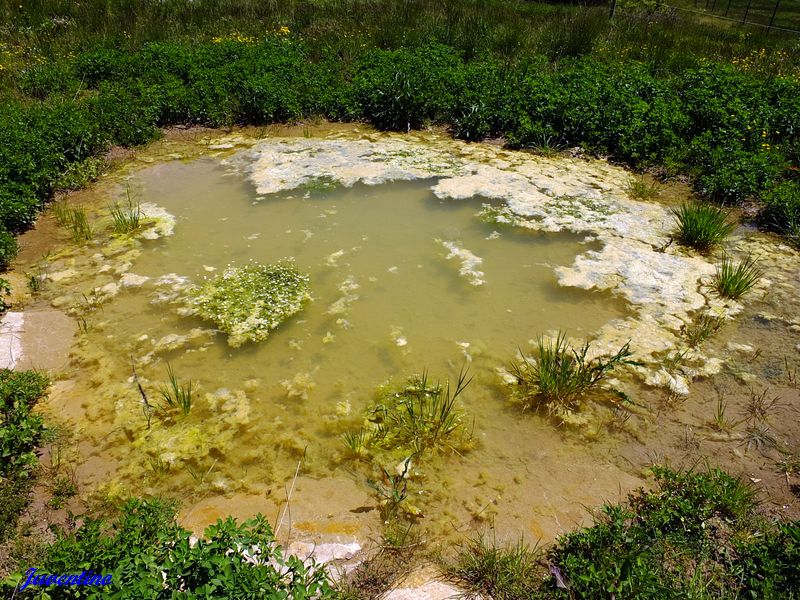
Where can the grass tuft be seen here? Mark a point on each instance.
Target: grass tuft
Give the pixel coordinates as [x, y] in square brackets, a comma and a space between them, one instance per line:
[560, 375]
[491, 571]
[176, 395]
[127, 218]
[702, 226]
[734, 279]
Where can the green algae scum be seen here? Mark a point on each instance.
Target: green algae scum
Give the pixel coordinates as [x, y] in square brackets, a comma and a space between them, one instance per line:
[282, 291]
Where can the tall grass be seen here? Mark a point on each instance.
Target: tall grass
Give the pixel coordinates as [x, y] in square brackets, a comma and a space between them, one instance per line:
[176, 395]
[733, 279]
[127, 218]
[78, 225]
[560, 374]
[702, 226]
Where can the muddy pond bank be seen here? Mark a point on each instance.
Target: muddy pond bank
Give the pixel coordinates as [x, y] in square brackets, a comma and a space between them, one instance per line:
[423, 253]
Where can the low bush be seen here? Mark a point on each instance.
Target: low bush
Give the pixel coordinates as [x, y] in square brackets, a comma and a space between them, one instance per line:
[781, 211]
[694, 535]
[150, 556]
[20, 433]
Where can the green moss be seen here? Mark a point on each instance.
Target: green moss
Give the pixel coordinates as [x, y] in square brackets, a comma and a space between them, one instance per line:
[249, 302]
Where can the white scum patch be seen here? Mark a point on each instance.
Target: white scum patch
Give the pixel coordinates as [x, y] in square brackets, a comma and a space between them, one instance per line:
[160, 222]
[332, 259]
[469, 262]
[663, 288]
[397, 337]
[133, 280]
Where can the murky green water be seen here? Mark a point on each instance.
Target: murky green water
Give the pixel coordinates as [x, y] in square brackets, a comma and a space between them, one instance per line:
[387, 303]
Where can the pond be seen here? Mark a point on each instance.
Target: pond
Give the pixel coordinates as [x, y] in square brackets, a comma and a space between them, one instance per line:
[423, 255]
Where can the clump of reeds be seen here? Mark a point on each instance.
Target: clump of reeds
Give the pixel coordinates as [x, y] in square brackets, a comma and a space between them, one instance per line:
[127, 217]
[176, 395]
[734, 279]
[702, 226]
[560, 374]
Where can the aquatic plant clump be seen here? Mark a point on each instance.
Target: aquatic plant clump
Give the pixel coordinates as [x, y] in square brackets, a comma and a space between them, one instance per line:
[249, 302]
[733, 279]
[560, 375]
[416, 417]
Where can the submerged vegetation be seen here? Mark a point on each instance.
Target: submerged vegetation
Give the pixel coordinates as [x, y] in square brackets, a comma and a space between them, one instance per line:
[419, 416]
[249, 302]
[702, 226]
[559, 375]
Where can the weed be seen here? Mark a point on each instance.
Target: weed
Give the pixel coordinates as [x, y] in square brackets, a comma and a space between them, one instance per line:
[78, 225]
[176, 395]
[791, 373]
[706, 326]
[642, 189]
[760, 437]
[734, 279]
[760, 406]
[63, 488]
[491, 571]
[560, 375]
[720, 421]
[61, 212]
[127, 218]
[418, 417]
[702, 226]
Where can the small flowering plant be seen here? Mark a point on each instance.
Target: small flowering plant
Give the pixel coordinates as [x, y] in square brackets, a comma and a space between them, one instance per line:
[249, 302]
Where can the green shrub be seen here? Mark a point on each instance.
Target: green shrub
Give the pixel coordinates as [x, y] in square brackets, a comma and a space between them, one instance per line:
[781, 210]
[150, 556]
[402, 89]
[20, 429]
[8, 248]
[694, 535]
[18, 207]
[702, 226]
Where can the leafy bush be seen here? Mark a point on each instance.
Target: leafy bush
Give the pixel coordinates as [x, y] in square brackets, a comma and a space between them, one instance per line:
[149, 555]
[782, 210]
[8, 247]
[20, 434]
[702, 226]
[695, 534]
[20, 429]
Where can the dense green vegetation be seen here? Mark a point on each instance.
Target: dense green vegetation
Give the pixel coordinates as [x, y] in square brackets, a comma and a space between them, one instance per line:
[21, 432]
[148, 555]
[695, 535]
[649, 89]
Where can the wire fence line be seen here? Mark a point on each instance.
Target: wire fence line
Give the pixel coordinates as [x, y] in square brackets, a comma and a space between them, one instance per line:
[780, 15]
